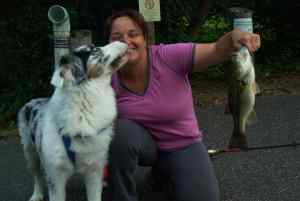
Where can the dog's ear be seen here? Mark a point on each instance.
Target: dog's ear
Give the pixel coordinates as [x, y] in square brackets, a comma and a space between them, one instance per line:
[83, 52]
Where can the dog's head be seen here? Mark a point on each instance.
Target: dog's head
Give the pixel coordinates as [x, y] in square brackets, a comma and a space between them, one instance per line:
[90, 62]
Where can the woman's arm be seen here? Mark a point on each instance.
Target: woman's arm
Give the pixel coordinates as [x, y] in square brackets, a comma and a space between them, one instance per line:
[207, 54]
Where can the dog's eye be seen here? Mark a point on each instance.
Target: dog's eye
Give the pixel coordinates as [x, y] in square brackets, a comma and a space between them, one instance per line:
[97, 52]
[105, 59]
[97, 49]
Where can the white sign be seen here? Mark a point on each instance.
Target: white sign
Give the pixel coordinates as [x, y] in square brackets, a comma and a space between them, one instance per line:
[150, 9]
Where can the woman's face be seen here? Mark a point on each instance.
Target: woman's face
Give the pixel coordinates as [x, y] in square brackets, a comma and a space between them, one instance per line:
[125, 30]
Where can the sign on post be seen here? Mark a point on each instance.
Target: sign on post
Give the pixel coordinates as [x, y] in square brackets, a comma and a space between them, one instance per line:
[150, 9]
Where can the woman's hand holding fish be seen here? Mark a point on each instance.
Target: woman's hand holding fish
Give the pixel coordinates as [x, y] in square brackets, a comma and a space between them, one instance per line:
[241, 38]
[208, 54]
[234, 40]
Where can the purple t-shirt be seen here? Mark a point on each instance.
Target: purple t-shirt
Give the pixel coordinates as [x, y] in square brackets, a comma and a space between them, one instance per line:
[166, 108]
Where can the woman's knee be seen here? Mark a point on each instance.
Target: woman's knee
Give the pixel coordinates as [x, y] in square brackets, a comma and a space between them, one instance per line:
[132, 142]
[126, 140]
[123, 137]
[126, 134]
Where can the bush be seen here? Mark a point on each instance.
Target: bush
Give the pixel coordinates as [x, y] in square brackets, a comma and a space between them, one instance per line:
[27, 59]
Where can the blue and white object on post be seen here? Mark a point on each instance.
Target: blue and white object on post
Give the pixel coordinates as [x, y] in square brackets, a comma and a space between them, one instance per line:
[242, 19]
[244, 24]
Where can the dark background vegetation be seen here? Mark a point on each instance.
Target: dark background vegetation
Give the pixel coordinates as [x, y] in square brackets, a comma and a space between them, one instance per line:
[26, 53]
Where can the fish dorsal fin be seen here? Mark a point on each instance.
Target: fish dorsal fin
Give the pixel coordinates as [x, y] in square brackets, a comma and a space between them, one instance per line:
[257, 89]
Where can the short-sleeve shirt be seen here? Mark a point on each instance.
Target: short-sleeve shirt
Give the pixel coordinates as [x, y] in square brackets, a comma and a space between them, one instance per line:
[166, 108]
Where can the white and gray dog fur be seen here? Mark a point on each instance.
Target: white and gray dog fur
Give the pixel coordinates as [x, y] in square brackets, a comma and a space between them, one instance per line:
[71, 131]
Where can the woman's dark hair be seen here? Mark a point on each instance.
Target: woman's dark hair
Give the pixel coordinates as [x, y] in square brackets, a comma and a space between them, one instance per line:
[134, 15]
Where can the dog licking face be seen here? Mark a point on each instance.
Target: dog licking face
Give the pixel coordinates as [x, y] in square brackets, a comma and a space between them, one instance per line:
[71, 131]
[90, 62]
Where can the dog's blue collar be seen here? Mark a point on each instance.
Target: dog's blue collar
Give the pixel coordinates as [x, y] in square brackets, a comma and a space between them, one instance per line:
[68, 141]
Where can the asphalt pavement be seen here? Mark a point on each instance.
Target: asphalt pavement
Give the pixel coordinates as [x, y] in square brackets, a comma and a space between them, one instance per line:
[261, 174]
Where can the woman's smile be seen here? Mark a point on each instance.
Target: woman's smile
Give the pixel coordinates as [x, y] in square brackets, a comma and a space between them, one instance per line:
[125, 30]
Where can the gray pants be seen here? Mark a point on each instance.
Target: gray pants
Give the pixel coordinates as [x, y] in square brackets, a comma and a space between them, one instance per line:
[189, 169]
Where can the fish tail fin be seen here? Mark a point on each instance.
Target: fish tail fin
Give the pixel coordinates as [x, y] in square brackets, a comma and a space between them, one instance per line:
[238, 140]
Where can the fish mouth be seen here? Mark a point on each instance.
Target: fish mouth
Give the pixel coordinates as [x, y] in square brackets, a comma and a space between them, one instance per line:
[234, 54]
[234, 58]
[237, 58]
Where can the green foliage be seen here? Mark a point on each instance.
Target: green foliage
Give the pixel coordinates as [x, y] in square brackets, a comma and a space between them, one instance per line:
[26, 35]
[174, 27]
[27, 59]
[213, 28]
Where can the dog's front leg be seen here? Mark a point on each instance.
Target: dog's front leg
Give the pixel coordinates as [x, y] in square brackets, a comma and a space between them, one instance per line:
[93, 183]
[38, 194]
[57, 186]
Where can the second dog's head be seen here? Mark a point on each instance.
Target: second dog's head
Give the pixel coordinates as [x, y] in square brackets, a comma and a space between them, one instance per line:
[90, 62]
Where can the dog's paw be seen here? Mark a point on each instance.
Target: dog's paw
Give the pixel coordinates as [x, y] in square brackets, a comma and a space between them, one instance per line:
[37, 197]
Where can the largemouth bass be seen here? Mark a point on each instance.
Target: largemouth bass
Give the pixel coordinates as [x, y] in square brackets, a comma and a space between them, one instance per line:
[241, 96]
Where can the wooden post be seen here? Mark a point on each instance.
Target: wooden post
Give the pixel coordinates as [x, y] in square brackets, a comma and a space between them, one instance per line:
[151, 36]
